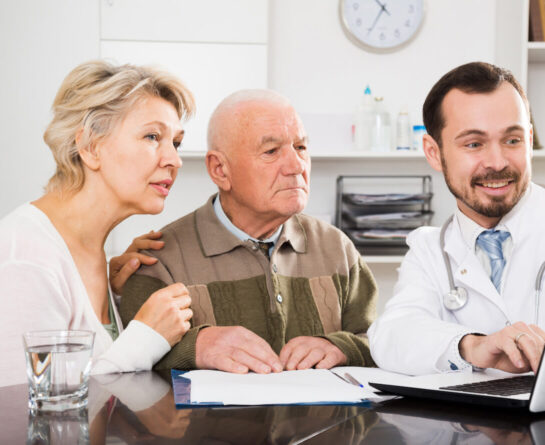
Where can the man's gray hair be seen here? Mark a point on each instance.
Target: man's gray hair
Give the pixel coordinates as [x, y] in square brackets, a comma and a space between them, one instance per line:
[233, 101]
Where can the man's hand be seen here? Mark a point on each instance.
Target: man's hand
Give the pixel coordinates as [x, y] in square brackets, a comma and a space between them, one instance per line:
[516, 348]
[123, 266]
[234, 349]
[306, 352]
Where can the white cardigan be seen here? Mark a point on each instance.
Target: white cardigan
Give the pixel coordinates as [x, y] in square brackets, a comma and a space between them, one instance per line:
[40, 288]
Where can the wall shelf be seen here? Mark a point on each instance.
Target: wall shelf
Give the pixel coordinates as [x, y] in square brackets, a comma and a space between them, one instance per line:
[383, 259]
[340, 156]
[332, 156]
[536, 52]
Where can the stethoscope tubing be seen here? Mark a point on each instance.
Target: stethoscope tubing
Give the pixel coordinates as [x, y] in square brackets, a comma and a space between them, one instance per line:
[455, 290]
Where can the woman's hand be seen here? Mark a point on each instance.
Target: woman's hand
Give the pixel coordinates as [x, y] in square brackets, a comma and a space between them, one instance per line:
[167, 312]
[123, 266]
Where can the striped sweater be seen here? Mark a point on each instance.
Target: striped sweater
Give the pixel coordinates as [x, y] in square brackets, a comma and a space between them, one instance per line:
[315, 284]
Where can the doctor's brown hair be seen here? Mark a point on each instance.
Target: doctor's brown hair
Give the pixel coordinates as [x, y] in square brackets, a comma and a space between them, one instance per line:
[474, 77]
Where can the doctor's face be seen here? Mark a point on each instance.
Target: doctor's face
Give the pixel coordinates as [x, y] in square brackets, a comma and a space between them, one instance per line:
[486, 151]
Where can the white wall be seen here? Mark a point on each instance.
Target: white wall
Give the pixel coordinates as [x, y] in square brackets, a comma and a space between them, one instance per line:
[309, 59]
[313, 63]
[40, 42]
[215, 47]
[321, 71]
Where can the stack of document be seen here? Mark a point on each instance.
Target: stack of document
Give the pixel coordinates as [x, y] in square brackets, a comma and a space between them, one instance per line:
[312, 386]
[387, 198]
[379, 224]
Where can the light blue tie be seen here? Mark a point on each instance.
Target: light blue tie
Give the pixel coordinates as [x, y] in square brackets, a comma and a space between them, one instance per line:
[490, 241]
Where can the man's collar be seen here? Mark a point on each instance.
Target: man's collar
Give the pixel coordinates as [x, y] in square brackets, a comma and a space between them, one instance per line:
[240, 234]
[294, 234]
[216, 239]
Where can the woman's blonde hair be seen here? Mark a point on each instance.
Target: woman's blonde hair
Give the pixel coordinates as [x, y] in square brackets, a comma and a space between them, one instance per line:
[95, 96]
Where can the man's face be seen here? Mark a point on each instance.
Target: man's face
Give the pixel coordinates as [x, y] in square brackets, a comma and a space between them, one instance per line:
[270, 164]
[486, 149]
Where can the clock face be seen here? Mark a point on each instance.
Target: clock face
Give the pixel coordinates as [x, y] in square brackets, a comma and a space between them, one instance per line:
[381, 24]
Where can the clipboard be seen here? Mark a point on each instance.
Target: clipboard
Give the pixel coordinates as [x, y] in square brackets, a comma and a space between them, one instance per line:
[182, 396]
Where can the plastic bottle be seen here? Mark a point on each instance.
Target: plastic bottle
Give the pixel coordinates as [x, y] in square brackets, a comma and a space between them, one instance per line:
[403, 130]
[418, 132]
[381, 140]
[363, 121]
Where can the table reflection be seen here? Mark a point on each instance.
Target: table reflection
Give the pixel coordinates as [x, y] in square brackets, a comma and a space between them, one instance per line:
[419, 421]
[145, 412]
[58, 428]
[139, 408]
[248, 425]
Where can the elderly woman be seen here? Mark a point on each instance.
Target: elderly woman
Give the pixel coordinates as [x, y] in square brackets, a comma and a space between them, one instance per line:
[114, 136]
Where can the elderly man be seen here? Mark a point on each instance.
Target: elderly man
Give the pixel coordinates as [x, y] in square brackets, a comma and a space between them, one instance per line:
[271, 289]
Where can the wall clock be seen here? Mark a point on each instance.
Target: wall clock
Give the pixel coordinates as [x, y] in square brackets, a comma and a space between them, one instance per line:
[381, 25]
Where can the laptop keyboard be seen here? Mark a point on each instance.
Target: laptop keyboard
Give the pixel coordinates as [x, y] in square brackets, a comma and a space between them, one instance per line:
[509, 386]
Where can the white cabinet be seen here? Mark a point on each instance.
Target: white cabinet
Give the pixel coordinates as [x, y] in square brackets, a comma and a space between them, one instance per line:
[210, 70]
[212, 21]
[216, 47]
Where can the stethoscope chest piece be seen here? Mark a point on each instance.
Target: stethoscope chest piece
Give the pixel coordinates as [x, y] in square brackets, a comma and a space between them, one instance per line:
[455, 299]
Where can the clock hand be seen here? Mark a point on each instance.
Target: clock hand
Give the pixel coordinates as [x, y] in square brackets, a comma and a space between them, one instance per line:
[383, 7]
[375, 22]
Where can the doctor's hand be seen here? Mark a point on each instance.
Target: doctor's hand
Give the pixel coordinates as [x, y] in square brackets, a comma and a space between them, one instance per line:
[123, 266]
[305, 352]
[516, 348]
[234, 349]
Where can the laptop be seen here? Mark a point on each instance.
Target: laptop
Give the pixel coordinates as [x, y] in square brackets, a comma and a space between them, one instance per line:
[490, 388]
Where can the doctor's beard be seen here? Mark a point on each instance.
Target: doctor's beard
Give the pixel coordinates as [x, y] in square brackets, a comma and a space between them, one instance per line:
[496, 206]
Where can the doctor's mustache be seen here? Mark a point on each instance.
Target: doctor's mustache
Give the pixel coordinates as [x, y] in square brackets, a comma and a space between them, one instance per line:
[506, 174]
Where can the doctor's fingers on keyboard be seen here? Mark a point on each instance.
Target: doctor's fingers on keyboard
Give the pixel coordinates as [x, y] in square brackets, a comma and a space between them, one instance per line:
[528, 342]
[533, 349]
[537, 330]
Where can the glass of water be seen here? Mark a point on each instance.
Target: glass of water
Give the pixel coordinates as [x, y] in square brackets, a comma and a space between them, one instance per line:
[58, 365]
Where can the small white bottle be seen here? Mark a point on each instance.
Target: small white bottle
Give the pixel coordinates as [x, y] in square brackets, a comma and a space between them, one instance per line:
[403, 130]
[382, 131]
[363, 122]
[418, 132]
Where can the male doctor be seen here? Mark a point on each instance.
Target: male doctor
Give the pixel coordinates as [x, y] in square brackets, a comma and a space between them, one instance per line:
[480, 138]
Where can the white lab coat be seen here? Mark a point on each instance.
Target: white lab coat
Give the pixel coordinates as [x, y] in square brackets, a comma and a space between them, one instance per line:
[416, 328]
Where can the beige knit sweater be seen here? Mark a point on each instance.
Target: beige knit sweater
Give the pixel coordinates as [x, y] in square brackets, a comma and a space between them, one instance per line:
[315, 284]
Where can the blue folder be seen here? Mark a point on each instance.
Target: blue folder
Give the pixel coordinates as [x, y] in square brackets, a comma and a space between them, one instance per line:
[182, 395]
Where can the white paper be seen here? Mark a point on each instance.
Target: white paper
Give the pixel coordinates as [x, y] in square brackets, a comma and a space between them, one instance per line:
[366, 375]
[288, 387]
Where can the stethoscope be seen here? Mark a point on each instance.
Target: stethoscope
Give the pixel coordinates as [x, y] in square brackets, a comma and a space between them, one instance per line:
[456, 298]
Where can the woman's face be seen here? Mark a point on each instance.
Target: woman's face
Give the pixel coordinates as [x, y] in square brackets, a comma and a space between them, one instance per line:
[139, 159]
